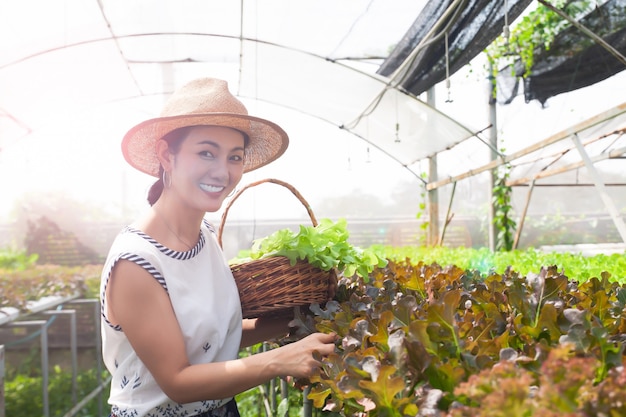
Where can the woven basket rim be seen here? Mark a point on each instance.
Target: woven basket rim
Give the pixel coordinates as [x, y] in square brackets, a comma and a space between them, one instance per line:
[270, 284]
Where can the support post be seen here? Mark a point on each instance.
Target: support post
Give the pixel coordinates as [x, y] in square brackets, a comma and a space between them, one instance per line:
[272, 393]
[493, 141]
[73, 348]
[433, 195]
[604, 195]
[448, 216]
[284, 395]
[307, 404]
[520, 224]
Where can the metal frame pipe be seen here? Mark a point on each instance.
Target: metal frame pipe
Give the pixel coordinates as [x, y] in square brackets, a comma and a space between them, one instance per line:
[43, 328]
[73, 348]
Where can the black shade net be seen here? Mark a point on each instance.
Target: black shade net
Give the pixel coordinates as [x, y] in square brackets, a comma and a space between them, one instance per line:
[573, 61]
[471, 27]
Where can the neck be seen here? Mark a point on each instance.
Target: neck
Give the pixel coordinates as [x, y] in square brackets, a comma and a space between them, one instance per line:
[179, 229]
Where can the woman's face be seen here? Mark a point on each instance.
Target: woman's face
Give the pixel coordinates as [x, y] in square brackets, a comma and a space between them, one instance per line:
[208, 166]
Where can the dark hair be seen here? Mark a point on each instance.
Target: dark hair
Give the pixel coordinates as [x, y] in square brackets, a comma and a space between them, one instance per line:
[174, 140]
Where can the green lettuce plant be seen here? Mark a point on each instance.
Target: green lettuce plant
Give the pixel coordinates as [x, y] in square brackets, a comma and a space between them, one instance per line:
[325, 246]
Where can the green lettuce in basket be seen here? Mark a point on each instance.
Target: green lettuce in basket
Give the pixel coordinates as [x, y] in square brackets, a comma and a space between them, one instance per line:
[325, 246]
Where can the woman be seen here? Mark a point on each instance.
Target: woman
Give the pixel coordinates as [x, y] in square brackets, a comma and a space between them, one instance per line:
[172, 325]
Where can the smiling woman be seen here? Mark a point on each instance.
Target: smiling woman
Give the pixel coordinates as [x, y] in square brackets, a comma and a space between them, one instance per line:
[171, 314]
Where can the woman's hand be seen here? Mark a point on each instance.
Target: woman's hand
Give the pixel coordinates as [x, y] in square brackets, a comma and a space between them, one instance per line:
[301, 359]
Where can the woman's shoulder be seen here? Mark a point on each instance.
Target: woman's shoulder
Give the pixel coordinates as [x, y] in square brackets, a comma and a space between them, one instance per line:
[131, 240]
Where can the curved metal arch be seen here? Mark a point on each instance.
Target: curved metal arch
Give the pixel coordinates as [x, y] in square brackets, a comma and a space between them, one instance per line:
[366, 140]
[317, 56]
[314, 116]
[385, 84]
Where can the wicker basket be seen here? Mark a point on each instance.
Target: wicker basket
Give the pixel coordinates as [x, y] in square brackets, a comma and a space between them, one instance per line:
[272, 285]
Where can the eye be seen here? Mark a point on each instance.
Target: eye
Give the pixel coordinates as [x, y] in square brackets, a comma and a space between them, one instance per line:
[236, 158]
[206, 154]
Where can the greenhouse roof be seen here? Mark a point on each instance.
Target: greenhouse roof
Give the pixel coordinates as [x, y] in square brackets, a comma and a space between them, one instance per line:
[93, 68]
[318, 58]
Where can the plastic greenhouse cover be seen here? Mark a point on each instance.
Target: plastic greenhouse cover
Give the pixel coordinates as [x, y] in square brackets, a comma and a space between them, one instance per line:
[317, 58]
[87, 70]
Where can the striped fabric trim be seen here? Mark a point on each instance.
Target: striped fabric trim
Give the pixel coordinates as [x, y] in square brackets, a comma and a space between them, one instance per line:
[142, 263]
[182, 256]
[209, 226]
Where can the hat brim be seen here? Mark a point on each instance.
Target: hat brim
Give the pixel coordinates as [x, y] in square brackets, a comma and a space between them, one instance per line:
[267, 140]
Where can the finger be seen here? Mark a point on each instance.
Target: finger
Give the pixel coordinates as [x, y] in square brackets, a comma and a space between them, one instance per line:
[331, 337]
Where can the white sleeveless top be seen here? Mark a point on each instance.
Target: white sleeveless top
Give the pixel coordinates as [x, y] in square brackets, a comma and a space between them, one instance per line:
[206, 303]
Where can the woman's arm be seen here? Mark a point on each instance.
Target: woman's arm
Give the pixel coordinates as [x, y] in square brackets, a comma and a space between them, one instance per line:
[138, 303]
[263, 329]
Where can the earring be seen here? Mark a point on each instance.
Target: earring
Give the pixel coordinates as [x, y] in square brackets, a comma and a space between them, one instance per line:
[167, 180]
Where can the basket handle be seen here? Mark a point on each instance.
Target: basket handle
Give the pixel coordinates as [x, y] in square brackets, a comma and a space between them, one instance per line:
[253, 184]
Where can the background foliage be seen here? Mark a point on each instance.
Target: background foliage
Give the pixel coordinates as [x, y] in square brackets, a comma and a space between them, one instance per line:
[23, 394]
[437, 331]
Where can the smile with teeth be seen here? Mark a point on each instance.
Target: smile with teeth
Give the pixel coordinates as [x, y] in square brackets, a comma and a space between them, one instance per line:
[211, 188]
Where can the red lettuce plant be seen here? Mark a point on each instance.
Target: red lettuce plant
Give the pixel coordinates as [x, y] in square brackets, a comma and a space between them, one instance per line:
[420, 339]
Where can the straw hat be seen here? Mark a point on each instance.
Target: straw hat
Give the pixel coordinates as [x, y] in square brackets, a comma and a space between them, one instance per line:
[204, 102]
